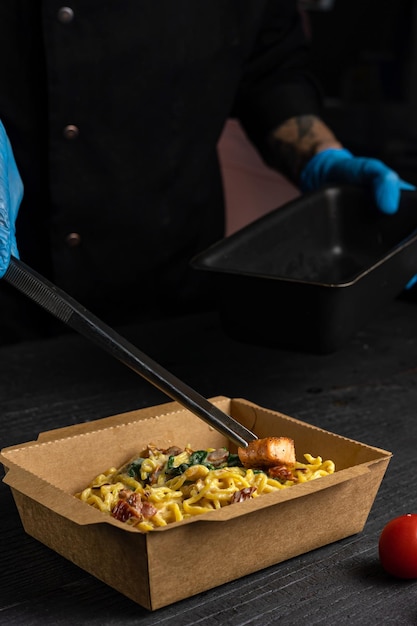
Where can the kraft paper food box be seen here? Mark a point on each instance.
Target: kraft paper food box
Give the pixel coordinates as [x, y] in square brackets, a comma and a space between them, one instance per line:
[45, 474]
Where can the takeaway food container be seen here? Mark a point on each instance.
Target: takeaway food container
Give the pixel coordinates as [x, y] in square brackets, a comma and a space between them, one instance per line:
[164, 566]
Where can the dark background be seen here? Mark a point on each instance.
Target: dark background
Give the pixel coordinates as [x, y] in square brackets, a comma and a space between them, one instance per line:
[364, 52]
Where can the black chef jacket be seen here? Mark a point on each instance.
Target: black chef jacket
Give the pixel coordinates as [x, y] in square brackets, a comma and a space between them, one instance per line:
[114, 109]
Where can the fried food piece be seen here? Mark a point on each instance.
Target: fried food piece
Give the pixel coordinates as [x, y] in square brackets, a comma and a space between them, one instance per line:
[268, 452]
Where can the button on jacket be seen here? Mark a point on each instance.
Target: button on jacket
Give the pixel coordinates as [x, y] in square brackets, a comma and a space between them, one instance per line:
[114, 110]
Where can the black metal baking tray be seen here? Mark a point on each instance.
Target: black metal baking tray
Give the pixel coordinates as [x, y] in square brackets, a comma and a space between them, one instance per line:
[310, 274]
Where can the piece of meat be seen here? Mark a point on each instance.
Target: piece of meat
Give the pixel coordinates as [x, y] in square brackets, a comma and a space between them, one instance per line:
[243, 494]
[130, 505]
[173, 451]
[281, 473]
[218, 457]
[268, 452]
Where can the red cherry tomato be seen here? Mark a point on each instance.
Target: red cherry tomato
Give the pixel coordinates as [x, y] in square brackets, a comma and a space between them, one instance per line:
[398, 546]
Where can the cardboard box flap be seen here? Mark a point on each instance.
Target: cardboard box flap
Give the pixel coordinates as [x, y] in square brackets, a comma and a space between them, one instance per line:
[308, 438]
[114, 420]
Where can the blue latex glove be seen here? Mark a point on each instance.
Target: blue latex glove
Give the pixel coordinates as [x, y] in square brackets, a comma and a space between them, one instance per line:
[11, 193]
[340, 166]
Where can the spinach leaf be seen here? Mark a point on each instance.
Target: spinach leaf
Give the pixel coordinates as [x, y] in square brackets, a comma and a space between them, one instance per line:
[133, 470]
[175, 471]
[198, 457]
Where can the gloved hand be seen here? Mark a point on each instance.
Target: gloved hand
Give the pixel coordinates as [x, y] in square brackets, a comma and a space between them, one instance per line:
[11, 193]
[338, 165]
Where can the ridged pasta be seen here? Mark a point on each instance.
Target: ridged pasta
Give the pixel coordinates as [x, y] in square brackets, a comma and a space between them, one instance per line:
[160, 487]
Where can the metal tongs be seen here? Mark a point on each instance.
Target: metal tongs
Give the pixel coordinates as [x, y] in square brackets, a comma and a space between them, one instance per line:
[69, 311]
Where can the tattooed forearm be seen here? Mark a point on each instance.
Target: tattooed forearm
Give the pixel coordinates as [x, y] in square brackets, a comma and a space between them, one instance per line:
[296, 141]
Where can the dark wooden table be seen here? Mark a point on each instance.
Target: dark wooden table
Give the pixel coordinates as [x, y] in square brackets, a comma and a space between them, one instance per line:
[366, 391]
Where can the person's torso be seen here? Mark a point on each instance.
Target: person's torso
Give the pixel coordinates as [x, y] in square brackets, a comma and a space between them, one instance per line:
[114, 110]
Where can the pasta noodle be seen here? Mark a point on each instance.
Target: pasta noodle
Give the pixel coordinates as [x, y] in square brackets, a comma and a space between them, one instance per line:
[165, 486]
